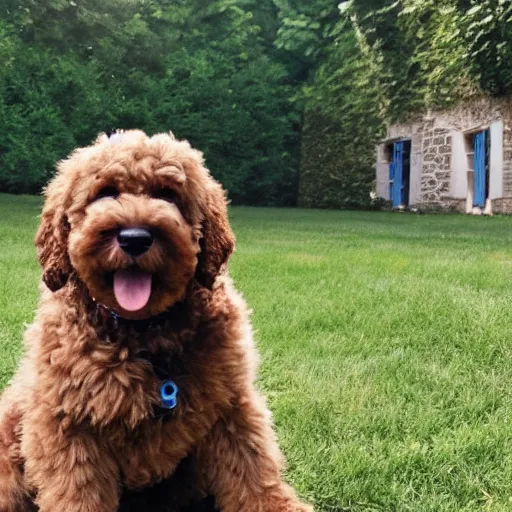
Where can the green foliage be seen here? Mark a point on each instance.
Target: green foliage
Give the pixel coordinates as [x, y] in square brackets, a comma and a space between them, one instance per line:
[201, 69]
[339, 123]
[341, 127]
[432, 54]
[488, 34]
[304, 35]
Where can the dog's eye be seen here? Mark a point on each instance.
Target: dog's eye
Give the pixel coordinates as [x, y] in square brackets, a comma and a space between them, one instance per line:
[166, 194]
[106, 192]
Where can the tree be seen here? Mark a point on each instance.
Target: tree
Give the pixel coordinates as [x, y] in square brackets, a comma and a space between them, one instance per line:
[206, 70]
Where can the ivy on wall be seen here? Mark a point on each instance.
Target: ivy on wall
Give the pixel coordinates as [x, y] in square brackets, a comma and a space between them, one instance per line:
[434, 54]
[341, 123]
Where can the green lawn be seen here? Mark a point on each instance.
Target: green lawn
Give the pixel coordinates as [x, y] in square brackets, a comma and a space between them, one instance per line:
[386, 345]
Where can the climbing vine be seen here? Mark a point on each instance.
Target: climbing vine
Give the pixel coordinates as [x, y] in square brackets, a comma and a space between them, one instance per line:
[434, 53]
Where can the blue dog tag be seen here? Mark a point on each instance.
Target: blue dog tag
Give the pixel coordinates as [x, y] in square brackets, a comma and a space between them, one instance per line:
[168, 394]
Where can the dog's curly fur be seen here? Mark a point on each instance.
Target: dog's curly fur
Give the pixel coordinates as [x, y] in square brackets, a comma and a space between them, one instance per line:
[80, 425]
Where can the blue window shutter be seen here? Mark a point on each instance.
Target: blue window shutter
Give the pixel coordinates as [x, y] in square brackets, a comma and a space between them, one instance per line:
[391, 178]
[480, 170]
[398, 157]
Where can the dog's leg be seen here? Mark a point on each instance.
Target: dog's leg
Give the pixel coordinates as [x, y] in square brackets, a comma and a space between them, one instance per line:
[184, 491]
[69, 470]
[12, 491]
[242, 462]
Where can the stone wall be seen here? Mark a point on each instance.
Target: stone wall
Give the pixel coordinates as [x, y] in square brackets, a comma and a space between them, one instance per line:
[502, 205]
[440, 174]
[435, 171]
[507, 160]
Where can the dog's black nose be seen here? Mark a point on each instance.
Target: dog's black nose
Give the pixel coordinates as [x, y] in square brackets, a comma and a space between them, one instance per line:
[135, 241]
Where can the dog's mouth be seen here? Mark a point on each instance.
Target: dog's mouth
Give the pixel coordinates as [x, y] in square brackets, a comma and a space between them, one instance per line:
[132, 288]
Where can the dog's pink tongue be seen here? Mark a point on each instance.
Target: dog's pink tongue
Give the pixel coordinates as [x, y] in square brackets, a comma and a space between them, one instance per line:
[132, 289]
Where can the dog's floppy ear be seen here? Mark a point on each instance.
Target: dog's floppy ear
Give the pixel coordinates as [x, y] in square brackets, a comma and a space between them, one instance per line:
[217, 242]
[52, 235]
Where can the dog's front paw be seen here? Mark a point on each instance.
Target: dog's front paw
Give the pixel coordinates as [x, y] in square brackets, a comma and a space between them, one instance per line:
[301, 507]
[285, 500]
[289, 506]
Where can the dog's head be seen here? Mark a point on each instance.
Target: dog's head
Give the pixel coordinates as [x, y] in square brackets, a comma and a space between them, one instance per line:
[136, 218]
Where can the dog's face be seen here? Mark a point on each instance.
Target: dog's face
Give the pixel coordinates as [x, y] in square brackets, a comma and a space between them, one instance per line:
[137, 219]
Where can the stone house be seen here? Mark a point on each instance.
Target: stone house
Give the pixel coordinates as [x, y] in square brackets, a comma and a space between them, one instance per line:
[457, 159]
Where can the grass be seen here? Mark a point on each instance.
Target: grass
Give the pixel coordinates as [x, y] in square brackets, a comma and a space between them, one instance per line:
[386, 343]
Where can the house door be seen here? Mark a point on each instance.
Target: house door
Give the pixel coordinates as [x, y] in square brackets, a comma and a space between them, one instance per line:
[481, 168]
[399, 170]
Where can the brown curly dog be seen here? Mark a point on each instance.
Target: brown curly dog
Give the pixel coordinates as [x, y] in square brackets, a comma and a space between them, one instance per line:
[137, 388]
